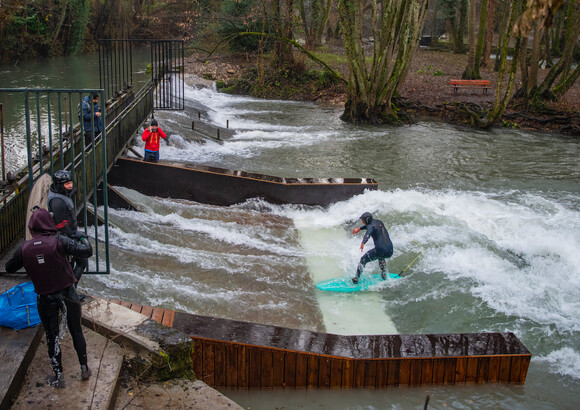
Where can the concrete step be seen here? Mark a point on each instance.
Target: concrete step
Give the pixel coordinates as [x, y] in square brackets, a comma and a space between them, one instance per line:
[105, 361]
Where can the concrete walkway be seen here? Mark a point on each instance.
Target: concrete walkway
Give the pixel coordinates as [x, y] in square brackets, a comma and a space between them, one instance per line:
[24, 366]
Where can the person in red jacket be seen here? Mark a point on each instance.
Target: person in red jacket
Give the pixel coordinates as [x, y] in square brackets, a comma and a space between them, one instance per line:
[44, 259]
[151, 136]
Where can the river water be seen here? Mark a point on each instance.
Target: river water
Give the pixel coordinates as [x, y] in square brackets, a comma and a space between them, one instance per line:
[495, 214]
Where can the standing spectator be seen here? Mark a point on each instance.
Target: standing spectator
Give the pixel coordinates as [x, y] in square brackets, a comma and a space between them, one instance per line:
[151, 137]
[91, 118]
[44, 258]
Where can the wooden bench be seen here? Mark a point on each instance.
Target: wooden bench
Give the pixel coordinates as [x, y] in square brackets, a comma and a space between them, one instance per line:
[483, 84]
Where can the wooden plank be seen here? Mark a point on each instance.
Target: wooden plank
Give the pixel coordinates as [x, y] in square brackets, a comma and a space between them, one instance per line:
[278, 368]
[336, 372]
[208, 366]
[427, 372]
[416, 369]
[313, 370]
[382, 373]
[493, 372]
[450, 365]
[461, 370]
[370, 373]
[471, 374]
[359, 373]
[267, 374]
[197, 358]
[301, 370]
[405, 372]
[393, 375]
[220, 364]
[243, 367]
[290, 369]
[147, 311]
[168, 316]
[504, 369]
[324, 372]
[483, 370]
[438, 371]
[255, 369]
[516, 368]
[348, 373]
[137, 308]
[232, 365]
[524, 369]
[157, 315]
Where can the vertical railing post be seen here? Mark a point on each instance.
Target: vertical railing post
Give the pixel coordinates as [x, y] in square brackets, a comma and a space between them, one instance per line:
[2, 139]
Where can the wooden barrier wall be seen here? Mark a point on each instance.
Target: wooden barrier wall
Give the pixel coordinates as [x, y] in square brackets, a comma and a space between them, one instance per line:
[236, 354]
[222, 364]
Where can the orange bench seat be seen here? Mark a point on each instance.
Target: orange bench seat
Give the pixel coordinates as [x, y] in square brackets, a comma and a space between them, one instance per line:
[483, 84]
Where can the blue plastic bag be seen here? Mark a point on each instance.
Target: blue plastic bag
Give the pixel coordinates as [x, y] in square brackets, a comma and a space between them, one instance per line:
[18, 307]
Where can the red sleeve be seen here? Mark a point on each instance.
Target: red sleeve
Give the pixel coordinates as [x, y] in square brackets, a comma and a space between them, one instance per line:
[146, 135]
[161, 133]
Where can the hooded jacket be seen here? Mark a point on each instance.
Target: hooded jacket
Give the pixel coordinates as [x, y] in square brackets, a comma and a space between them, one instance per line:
[44, 256]
[88, 114]
[152, 139]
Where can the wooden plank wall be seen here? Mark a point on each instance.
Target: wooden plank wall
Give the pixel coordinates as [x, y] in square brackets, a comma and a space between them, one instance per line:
[235, 365]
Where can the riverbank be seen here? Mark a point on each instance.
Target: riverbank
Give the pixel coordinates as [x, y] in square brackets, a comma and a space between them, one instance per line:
[425, 94]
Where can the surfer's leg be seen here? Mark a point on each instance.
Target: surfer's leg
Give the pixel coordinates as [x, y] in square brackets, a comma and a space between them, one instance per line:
[383, 267]
[366, 258]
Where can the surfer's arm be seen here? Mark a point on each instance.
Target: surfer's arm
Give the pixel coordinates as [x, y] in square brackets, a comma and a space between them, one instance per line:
[82, 249]
[15, 262]
[357, 230]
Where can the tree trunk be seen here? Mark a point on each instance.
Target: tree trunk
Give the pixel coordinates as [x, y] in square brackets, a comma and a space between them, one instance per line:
[283, 28]
[502, 32]
[501, 101]
[563, 65]
[481, 36]
[471, 73]
[396, 28]
[534, 59]
[489, 32]
[567, 83]
[58, 27]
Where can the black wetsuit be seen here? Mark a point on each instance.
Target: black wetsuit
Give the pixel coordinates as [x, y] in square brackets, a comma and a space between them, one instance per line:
[383, 246]
[61, 206]
[44, 258]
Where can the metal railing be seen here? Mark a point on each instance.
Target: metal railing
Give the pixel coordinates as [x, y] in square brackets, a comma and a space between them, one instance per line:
[54, 142]
[166, 65]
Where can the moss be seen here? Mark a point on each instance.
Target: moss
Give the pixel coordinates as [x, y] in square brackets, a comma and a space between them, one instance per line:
[174, 362]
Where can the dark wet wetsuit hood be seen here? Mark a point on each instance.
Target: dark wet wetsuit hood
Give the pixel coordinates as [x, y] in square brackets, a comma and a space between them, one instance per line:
[41, 223]
[366, 218]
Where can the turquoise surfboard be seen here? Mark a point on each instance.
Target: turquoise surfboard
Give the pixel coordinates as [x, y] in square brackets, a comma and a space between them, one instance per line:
[344, 284]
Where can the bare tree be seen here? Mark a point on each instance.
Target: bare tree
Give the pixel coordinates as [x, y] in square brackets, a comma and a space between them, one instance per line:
[396, 27]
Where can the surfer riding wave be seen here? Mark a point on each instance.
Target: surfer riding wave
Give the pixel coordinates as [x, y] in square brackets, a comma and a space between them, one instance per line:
[383, 249]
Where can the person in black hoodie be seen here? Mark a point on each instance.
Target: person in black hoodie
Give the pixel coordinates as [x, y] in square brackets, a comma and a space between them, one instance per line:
[44, 258]
[383, 246]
